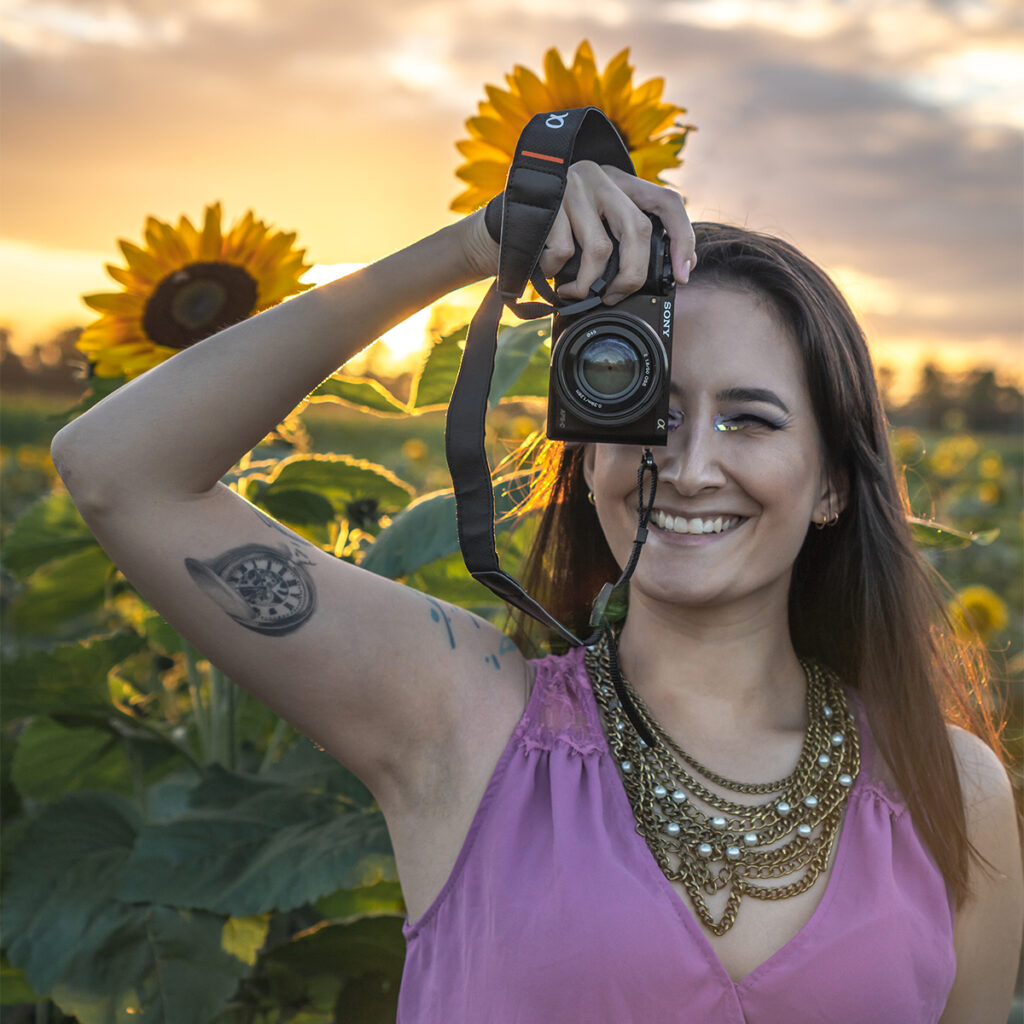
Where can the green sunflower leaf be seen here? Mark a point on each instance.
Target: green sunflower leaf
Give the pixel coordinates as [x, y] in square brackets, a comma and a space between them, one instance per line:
[14, 988]
[432, 385]
[301, 507]
[69, 678]
[339, 479]
[521, 363]
[368, 901]
[61, 590]
[364, 946]
[163, 966]
[426, 530]
[363, 393]
[931, 534]
[51, 528]
[50, 760]
[59, 905]
[246, 847]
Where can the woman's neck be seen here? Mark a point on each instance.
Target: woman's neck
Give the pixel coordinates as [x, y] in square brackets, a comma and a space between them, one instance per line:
[710, 675]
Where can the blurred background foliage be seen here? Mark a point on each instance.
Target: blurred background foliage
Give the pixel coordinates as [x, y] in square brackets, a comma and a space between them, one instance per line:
[172, 851]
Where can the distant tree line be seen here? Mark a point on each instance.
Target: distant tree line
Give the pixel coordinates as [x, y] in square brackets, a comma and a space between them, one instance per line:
[970, 401]
[942, 401]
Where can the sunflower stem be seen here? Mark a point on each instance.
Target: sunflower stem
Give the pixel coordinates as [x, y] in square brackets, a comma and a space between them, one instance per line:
[276, 739]
[195, 690]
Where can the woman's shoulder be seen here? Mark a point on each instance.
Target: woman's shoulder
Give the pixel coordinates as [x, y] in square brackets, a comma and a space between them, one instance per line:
[983, 777]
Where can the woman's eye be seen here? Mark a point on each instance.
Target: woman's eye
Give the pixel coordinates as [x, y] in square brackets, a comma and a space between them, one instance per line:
[744, 421]
[675, 419]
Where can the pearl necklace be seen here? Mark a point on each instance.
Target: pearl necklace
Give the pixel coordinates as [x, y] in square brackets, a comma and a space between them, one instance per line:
[708, 843]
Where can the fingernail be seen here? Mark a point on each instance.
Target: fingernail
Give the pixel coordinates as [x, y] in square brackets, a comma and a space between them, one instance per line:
[685, 276]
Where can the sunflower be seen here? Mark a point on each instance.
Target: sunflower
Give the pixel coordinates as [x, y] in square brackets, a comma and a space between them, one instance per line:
[648, 126]
[185, 284]
[978, 610]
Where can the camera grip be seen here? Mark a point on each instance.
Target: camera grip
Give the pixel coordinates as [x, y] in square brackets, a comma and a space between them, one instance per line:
[659, 263]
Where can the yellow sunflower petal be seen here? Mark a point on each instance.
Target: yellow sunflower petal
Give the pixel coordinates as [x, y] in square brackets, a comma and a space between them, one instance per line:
[498, 133]
[239, 230]
[649, 92]
[616, 78]
[141, 263]
[485, 174]
[189, 236]
[210, 241]
[272, 249]
[469, 200]
[584, 70]
[640, 124]
[103, 369]
[124, 277]
[477, 149]
[166, 245]
[564, 88]
[114, 302]
[650, 161]
[533, 91]
[508, 106]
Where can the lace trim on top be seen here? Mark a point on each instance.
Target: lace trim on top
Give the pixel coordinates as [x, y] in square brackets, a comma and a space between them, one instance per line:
[561, 708]
[561, 711]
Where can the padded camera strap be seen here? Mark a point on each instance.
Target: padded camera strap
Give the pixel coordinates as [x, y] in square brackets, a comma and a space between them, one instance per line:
[520, 219]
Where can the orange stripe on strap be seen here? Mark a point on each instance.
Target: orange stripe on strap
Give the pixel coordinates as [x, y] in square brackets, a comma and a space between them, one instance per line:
[542, 156]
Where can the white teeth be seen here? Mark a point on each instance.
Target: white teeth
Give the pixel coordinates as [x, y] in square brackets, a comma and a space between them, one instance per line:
[677, 524]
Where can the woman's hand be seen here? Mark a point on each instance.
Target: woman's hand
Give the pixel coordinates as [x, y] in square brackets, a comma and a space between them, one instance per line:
[598, 201]
[602, 200]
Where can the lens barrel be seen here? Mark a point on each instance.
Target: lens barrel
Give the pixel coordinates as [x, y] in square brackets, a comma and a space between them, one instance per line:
[608, 368]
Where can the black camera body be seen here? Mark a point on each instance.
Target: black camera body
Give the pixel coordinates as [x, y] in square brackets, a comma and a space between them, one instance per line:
[611, 365]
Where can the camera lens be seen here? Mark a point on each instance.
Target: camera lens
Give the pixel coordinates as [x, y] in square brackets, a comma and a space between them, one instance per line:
[608, 366]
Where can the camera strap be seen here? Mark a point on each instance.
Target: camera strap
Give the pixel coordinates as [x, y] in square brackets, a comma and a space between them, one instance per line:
[519, 219]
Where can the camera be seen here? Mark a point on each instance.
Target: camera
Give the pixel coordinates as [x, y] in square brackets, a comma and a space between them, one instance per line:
[611, 366]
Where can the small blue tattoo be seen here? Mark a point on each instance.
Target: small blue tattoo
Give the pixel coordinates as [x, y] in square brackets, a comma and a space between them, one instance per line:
[437, 613]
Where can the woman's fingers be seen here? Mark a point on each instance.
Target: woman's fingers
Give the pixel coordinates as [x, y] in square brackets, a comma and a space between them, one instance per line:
[601, 203]
[668, 206]
[559, 247]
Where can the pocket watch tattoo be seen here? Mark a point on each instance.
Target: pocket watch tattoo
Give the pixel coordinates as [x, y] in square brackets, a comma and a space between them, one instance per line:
[265, 589]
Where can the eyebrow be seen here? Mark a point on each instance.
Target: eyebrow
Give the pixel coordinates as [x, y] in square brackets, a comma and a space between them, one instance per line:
[744, 395]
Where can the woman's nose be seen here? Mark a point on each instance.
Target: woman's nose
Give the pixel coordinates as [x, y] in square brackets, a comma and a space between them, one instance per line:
[691, 460]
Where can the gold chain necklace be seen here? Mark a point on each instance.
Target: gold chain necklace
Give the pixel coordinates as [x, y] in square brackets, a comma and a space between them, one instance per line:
[709, 843]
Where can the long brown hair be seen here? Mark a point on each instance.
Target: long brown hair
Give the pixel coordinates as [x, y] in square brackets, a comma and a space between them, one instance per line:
[862, 600]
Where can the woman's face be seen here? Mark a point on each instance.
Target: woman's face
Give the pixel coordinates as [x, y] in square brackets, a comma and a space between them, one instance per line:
[742, 476]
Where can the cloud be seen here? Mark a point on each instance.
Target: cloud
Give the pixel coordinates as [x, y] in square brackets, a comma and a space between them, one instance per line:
[871, 134]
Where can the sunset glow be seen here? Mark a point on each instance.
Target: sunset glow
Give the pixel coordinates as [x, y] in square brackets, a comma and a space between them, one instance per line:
[884, 140]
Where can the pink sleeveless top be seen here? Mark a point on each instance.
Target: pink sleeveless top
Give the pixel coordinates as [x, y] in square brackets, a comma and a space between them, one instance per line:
[557, 913]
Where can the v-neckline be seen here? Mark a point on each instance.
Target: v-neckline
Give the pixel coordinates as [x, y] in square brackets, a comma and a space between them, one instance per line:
[685, 912]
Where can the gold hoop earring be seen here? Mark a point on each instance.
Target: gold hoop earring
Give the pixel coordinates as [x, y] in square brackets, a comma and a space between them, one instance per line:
[590, 498]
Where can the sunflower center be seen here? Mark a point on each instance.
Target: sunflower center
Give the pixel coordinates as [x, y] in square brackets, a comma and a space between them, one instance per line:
[197, 301]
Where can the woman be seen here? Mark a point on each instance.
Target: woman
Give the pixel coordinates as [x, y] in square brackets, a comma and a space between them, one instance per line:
[531, 897]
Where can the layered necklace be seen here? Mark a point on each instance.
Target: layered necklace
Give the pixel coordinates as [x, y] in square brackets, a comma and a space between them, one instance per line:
[707, 842]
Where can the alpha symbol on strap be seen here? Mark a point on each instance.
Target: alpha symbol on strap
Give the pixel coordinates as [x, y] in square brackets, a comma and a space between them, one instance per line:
[556, 120]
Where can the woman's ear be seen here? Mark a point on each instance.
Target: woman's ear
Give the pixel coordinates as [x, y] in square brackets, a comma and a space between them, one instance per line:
[588, 465]
[833, 499]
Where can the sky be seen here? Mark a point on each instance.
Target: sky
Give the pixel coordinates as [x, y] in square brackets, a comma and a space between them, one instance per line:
[885, 138]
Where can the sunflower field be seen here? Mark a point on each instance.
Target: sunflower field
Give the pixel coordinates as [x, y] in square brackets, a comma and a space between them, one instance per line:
[174, 853]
